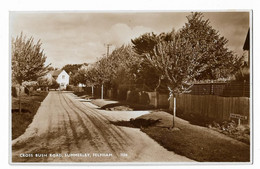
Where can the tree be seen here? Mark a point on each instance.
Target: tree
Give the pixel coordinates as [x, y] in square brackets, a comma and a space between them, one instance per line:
[47, 81]
[145, 43]
[243, 72]
[54, 84]
[218, 59]
[194, 53]
[122, 66]
[79, 76]
[113, 70]
[27, 61]
[142, 46]
[73, 68]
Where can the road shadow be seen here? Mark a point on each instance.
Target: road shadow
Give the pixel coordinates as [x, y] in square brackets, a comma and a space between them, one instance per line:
[125, 106]
[137, 123]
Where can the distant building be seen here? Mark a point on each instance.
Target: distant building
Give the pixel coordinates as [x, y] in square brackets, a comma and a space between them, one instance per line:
[61, 77]
[246, 47]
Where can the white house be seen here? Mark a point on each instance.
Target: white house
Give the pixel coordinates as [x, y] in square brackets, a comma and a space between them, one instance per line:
[61, 77]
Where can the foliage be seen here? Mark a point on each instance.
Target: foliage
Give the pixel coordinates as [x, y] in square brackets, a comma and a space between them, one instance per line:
[27, 60]
[112, 70]
[173, 60]
[14, 91]
[143, 46]
[54, 85]
[218, 60]
[176, 64]
[73, 68]
[144, 98]
[122, 64]
[50, 68]
[78, 77]
[122, 93]
[243, 72]
[69, 88]
[133, 97]
[27, 90]
[145, 43]
[29, 83]
[44, 81]
[195, 52]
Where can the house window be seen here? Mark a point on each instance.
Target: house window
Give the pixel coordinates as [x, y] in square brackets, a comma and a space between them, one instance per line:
[63, 76]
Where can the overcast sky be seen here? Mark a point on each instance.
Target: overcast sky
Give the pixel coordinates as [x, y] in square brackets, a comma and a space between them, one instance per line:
[69, 38]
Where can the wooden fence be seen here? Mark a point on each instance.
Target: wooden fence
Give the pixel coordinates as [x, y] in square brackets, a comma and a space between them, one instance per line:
[234, 89]
[212, 106]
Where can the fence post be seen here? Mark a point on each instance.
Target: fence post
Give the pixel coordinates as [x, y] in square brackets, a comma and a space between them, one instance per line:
[102, 88]
[211, 89]
[156, 99]
[243, 94]
[174, 105]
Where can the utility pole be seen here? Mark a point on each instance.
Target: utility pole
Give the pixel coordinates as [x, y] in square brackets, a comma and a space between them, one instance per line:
[108, 49]
[102, 87]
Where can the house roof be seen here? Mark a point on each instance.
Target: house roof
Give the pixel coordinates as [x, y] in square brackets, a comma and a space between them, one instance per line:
[247, 41]
[55, 73]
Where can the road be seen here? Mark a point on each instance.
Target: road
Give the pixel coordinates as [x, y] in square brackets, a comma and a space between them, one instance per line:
[65, 129]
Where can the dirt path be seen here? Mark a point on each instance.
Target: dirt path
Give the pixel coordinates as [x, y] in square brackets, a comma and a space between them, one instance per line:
[67, 130]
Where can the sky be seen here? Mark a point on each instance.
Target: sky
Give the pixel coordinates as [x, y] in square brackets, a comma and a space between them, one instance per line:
[81, 37]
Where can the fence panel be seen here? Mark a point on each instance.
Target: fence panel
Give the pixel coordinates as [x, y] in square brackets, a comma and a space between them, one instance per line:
[212, 106]
[233, 89]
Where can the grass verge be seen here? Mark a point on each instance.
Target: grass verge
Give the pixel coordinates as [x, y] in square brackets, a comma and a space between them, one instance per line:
[119, 105]
[30, 105]
[195, 142]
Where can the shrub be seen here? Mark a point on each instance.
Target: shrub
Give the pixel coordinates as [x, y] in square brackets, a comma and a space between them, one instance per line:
[54, 85]
[122, 94]
[114, 93]
[144, 99]
[133, 97]
[69, 88]
[27, 90]
[14, 91]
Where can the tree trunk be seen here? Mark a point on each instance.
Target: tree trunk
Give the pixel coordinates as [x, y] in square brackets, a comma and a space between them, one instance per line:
[156, 93]
[29, 92]
[102, 87]
[92, 90]
[174, 111]
[158, 85]
[20, 105]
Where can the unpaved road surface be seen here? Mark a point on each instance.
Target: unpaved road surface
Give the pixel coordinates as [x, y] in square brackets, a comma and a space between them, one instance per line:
[65, 129]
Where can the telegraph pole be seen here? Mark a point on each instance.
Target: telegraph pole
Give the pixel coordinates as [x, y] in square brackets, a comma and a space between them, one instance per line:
[108, 49]
[102, 87]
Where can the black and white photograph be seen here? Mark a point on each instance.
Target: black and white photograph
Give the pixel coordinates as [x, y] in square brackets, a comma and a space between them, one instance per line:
[95, 87]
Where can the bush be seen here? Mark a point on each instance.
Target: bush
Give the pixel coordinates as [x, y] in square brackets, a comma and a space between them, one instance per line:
[78, 89]
[14, 92]
[54, 85]
[122, 94]
[144, 99]
[133, 97]
[69, 88]
[26, 90]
